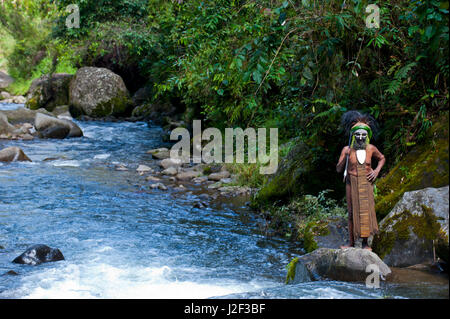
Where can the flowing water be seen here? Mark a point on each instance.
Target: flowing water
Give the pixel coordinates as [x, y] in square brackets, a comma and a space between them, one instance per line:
[121, 239]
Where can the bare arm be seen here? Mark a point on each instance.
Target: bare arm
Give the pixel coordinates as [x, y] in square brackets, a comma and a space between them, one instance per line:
[381, 160]
[342, 159]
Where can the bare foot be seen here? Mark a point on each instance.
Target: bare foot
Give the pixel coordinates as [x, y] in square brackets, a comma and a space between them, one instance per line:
[368, 248]
[345, 246]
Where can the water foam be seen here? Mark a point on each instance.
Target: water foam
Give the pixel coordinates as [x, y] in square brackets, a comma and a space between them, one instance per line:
[107, 281]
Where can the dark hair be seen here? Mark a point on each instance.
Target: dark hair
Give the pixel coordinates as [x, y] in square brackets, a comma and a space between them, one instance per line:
[350, 118]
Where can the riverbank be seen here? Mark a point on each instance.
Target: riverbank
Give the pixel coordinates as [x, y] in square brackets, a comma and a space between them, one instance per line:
[122, 238]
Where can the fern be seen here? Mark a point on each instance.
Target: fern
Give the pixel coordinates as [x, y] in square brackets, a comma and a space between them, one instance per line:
[399, 76]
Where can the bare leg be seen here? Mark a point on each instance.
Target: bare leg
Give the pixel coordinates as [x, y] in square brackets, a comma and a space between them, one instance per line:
[365, 244]
[350, 215]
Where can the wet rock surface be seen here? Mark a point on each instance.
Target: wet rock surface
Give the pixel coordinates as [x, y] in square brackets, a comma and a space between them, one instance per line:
[417, 222]
[350, 264]
[38, 254]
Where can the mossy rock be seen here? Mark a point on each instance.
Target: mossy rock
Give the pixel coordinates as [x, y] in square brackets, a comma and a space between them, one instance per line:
[417, 222]
[48, 93]
[98, 92]
[426, 165]
[303, 170]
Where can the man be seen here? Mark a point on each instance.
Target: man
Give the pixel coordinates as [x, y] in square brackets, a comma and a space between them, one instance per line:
[356, 162]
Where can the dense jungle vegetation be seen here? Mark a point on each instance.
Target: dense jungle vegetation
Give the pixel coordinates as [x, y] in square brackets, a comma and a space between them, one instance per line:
[296, 65]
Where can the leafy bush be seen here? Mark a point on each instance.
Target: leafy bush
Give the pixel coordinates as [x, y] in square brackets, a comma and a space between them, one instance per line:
[305, 217]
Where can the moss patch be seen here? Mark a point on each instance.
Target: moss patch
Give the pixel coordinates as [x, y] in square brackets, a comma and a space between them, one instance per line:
[291, 267]
[400, 226]
[424, 166]
[115, 106]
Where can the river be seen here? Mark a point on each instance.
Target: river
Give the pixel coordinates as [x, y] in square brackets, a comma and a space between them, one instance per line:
[122, 239]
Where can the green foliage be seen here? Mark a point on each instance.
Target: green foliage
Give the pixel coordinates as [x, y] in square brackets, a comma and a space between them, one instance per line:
[305, 217]
[294, 65]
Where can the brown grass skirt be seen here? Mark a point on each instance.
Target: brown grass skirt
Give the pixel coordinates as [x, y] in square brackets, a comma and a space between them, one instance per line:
[364, 220]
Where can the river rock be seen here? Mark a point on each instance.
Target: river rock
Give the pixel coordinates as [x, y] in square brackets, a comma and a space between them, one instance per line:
[218, 176]
[19, 99]
[348, 264]
[12, 154]
[159, 153]
[4, 95]
[98, 92]
[62, 112]
[141, 95]
[151, 178]
[144, 169]
[49, 91]
[170, 171]
[200, 179]
[23, 115]
[335, 235]
[39, 254]
[154, 111]
[5, 127]
[169, 162]
[160, 186]
[187, 175]
[407, 233]
[52, 127]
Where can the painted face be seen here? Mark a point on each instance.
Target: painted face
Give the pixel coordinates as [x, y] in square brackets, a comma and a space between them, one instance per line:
[360, 138]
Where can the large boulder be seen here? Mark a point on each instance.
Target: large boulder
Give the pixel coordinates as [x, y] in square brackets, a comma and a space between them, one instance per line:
[49, 91]
[417, 222]
[12, 154]
[39, 254]
[52, 127]
[426, 165]
[5, 80]
[98, 92]
[350, 264]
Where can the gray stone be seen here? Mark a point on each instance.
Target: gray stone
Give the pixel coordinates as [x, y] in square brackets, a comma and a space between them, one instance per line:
[416, 209]
[52, 127]
[4, 95]
[219, 175]
[144, 169]
[19, 99]
[5, 80]
[12, 154]
[159, 153]
[5, 127]
[39, 254]
[187, 175]
[169, 162]
[141, 95]
[348, 264]
[200, 179]
[160, 186]
[337, 234]
[23, 115]
[98, 92]
[170, 171]
[152, 179]
[48, 92]
[62, 112]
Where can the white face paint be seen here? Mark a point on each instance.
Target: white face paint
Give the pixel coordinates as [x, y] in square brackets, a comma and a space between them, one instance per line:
[360, 135]
[360, 139]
